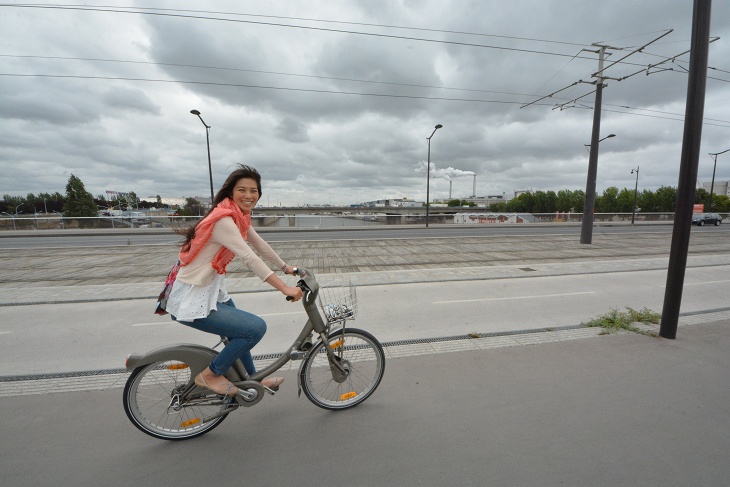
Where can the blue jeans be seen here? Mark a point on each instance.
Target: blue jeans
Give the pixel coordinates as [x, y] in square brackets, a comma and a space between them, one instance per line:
[243, 330]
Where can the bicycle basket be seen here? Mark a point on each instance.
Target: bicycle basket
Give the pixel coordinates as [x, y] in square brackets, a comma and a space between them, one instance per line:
[338, 300]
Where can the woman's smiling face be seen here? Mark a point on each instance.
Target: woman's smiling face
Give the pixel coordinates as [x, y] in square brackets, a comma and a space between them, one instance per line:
[246, 194]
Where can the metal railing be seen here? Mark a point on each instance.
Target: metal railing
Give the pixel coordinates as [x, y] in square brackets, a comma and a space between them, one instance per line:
[473, 217]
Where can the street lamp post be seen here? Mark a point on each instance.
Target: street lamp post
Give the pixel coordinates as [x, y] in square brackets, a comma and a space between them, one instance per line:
[586, 231]
[428, 171]
[588, 146]
[636, 188]
[207, 141]
[712, 186]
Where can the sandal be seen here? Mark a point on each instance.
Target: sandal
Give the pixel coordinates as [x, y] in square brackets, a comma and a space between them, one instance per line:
[224, 388]
[272, 383]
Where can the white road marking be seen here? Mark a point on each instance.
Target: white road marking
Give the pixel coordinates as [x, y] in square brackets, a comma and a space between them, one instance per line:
[512, 297]
[5, 332]
[706, 282]
[701, 283]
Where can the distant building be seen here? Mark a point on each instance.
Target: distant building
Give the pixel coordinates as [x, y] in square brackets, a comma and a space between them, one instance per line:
[486, 218]
[480, 201]
[172, 202]
[165, 201]
[721, 187]
[393, 202]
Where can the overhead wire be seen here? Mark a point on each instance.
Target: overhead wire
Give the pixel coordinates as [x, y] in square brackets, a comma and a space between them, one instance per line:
[245, 85]
[165, 13]
[333, 78]
[67, 58]
[365, 24]
[156, 12]
[323, 29]
[722, 123]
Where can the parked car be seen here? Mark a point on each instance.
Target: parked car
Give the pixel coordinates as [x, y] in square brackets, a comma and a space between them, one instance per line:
[706, 218]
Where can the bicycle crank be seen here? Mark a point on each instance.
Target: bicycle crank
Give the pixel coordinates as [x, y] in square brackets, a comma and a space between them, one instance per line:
[249, 393]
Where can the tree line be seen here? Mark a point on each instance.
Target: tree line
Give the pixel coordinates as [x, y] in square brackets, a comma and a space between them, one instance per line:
[613, 200]
[77, 202]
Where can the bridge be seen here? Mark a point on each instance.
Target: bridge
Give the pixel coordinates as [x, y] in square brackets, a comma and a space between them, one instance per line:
[360, 210]
[373, 214]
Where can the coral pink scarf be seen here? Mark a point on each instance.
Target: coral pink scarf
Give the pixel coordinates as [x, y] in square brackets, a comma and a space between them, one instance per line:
[204, 230]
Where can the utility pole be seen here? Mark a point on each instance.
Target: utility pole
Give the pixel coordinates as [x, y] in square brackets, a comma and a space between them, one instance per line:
[689, 162]
[714, 167]
[589, 208]
[636, 189]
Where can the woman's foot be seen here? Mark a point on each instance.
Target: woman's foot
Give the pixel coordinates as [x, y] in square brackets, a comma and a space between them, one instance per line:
[216, 383]
[272, 383]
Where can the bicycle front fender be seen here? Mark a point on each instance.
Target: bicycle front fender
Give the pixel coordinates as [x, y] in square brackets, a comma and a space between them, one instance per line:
[197, 357]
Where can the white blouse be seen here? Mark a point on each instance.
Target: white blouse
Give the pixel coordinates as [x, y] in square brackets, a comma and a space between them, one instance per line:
[198, 289]
[188, 301]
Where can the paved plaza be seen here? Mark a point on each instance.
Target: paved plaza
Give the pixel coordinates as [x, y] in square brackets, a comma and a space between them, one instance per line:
[37, 276]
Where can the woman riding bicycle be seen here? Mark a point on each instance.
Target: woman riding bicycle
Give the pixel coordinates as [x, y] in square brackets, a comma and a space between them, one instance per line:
[199, 299]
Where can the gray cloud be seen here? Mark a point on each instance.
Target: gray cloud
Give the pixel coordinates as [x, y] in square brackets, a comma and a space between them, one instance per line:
[292, 131]
[133, 100]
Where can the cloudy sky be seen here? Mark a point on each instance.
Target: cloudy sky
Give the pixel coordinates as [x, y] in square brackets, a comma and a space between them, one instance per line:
[333, 100]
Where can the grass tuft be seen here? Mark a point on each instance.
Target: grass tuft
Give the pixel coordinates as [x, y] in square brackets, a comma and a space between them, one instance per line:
[616, 320]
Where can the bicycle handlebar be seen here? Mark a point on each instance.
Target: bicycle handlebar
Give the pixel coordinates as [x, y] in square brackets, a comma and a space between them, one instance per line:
[298, 271]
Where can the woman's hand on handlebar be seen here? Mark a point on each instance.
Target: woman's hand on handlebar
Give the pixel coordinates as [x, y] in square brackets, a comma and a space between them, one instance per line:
[291, 270]
[293, 294]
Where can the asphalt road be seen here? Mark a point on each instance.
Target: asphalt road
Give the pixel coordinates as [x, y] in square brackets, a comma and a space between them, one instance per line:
[618, 410]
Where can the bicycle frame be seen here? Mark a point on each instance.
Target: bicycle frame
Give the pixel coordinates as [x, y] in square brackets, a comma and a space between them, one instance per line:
[198, 357]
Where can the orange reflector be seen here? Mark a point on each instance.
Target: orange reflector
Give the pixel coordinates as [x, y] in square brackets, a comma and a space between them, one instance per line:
[190, 422]
[337, 344]
[348, 395]
[177, 366]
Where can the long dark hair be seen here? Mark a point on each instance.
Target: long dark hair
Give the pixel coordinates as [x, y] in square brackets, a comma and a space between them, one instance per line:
[226, 191]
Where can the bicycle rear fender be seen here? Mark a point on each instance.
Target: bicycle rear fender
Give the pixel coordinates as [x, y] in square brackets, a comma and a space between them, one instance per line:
[197, 357]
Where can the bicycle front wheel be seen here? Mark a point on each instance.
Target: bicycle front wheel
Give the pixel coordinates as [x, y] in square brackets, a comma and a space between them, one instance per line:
[362, 363]
[153, 403]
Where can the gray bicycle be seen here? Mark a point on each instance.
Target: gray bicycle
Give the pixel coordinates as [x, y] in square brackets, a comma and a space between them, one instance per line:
[341, 367]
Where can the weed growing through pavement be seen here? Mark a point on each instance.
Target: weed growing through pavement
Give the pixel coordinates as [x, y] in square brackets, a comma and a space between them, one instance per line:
[616, 320]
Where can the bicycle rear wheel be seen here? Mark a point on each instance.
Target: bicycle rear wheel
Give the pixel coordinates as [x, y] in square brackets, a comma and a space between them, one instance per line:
[363, 360]
[153, 404]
